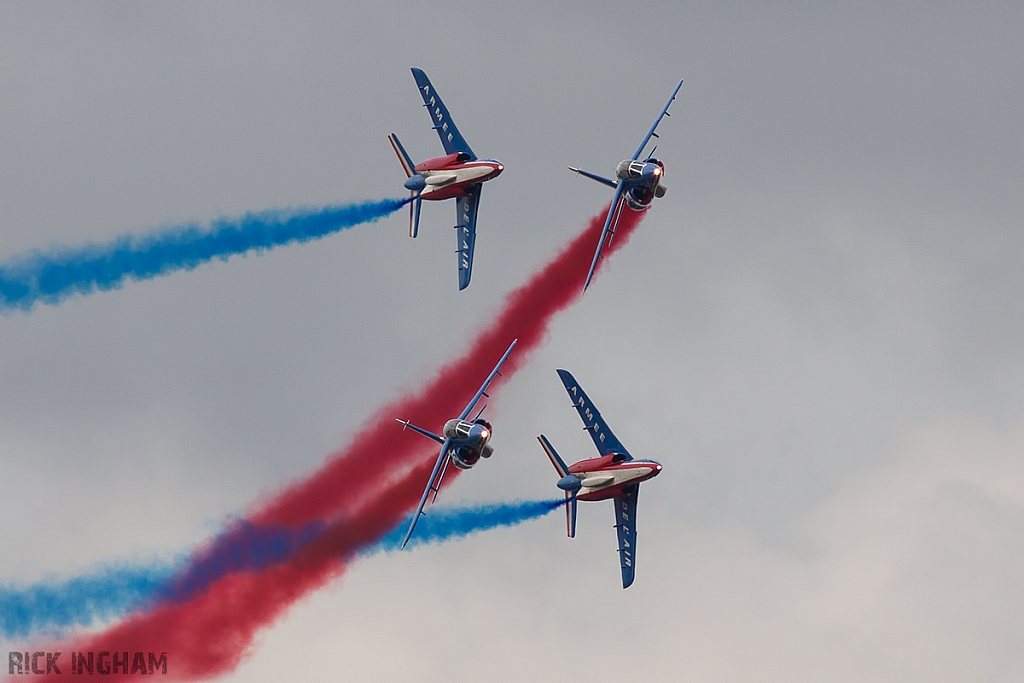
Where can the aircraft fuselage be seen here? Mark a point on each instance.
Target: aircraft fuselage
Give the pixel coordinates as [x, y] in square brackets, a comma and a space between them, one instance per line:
[605, 477]
[451, 176]
[643, 182]
[468, 441]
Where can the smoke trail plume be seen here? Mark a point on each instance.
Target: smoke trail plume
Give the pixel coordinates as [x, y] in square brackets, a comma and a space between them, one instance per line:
[444, 524]
[113, 591]
[52, 276]
[100, 595]
[373, 483]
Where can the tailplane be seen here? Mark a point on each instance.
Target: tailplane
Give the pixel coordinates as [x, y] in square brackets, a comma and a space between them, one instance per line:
[419, 430]
[593, 176]
[414, 184]
[569, 483]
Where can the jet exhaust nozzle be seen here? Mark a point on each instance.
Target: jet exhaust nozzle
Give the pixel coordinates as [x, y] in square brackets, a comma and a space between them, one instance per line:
[570, 483]
[415, 183]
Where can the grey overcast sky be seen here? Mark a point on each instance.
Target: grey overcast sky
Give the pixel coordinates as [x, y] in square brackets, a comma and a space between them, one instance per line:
[817, 331]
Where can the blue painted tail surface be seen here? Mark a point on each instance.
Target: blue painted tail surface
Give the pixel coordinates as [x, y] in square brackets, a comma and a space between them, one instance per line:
[414, 216]
[570, 493]
[570, 513]
[556, 460]
[403, 157]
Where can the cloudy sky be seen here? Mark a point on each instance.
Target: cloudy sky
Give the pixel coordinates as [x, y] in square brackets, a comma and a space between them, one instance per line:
[817, 331]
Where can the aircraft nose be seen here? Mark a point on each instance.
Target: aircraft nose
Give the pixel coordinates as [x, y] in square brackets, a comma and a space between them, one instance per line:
[416, 182]
[479, 432]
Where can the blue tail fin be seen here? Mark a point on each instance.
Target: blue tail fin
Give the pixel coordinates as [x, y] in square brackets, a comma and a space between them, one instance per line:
[570, 513]
[553, 456]
[414, 216]
[403, 156]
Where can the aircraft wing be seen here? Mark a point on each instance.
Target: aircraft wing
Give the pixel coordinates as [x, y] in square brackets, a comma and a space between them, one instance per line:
[450, 136]
[592, 421]
[625, 526]
[487, 383]
[442, 460]
[467, 207]
[651, 133]
[610, 223]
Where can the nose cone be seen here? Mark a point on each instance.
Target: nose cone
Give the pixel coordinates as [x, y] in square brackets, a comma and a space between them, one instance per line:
[655, 468]
[416, 182]
[651, 171]
[479, 433]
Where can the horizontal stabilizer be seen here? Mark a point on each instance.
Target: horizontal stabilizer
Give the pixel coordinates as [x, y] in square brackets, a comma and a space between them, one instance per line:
[593, 176]
[419, 430]
[570, 514]
[414, 216]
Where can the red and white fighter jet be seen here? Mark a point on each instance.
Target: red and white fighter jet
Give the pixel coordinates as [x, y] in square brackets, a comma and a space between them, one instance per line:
[459, 175]
[615, 475]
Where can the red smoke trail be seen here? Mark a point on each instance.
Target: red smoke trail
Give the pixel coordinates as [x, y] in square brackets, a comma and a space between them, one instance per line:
[370, 486]
[525, 315]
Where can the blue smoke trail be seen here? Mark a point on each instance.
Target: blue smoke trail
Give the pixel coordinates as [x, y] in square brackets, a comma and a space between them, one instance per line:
[113, 591]
[103, 594]
[52, 276]
[445, 524]
[244, 546]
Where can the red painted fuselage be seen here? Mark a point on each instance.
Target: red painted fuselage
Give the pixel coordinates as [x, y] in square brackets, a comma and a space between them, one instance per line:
[453, 175]
[606, 477]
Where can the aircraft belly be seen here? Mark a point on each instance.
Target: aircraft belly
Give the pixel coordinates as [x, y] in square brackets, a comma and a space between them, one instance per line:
[454, 182]
[446, 192]
[474, 173]
[433, 180]
[608, 483]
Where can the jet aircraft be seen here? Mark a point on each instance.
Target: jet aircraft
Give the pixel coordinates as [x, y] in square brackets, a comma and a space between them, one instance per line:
[464, 442]
[615, 474]
[637, 183]
[459, 174]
